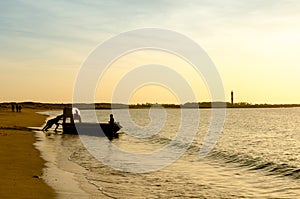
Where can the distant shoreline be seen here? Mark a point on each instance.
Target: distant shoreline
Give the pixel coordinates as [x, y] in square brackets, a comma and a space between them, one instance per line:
[200, 105]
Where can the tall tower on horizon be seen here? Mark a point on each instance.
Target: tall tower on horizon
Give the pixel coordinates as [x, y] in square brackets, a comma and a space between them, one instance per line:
[231, 97]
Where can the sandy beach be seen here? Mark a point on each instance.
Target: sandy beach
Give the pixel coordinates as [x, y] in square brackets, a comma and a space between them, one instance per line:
[21, 165]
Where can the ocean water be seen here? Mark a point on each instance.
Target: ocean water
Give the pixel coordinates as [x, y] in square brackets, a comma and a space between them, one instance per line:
[257, 155]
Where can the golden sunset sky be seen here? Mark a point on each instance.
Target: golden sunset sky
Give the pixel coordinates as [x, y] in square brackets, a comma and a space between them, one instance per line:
[254, 45]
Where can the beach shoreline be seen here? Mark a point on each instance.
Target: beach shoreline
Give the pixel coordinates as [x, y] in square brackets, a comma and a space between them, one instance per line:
[33, 164]
[21, 164]
[66, 177]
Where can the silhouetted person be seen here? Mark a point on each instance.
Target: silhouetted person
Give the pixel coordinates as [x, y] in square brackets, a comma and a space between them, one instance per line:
[20, 108]
[12, 107]
[111, 119]
[77, 116]
[17, 107]
[111, 122]
[50, 123]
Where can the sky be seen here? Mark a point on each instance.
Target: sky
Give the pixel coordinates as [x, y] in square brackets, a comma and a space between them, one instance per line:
[254, 45]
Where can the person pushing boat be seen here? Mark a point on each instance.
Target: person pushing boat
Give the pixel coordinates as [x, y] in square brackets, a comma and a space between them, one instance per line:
[51, 122]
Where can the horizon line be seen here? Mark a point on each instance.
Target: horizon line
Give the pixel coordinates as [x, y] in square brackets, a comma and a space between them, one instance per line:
[146, 103]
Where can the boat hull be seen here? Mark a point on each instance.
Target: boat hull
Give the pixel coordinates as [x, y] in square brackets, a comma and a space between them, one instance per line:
[92, 129]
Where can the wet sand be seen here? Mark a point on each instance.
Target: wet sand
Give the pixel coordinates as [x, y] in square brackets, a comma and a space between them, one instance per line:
[21, 165]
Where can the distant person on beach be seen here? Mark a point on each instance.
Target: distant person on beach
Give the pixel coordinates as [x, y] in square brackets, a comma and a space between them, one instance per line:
[12, 107]
[20, 108]
[50, 123]
[17, 107]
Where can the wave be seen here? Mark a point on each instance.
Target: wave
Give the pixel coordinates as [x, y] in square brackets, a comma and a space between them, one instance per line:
[241, 160]
[257, 163]
[231, 157]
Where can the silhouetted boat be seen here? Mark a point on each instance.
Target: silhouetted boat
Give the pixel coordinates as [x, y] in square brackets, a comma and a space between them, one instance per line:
[91, 129]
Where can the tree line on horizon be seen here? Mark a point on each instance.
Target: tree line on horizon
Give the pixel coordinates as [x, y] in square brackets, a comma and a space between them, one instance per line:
[39, 105]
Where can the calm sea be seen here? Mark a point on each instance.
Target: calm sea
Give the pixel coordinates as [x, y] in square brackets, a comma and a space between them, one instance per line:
[256, 156]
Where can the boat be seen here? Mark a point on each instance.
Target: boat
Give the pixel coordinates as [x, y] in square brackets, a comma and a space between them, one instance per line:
[72, 125]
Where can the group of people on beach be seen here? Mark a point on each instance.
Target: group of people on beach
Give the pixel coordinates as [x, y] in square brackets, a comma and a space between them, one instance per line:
[17, 106]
